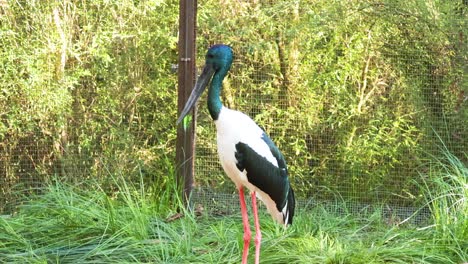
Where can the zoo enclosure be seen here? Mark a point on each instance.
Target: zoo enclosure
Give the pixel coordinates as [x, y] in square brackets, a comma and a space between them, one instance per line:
[359, 96]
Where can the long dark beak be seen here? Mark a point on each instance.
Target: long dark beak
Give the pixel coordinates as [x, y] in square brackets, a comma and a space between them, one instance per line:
[200, 86]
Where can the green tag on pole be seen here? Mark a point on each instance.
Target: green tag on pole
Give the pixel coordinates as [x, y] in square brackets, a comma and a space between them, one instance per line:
[186, 121]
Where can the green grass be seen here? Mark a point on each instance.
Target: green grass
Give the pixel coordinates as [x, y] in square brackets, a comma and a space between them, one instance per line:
[72, 224]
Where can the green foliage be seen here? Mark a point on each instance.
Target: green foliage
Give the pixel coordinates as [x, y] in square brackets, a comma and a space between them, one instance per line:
[86, 88]
[350, 90]
[353, 92]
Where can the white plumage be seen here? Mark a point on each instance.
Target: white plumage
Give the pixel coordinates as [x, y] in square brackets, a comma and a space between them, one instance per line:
[233, 127]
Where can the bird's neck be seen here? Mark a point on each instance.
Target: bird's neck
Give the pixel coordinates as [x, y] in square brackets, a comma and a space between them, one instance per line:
[214, 94]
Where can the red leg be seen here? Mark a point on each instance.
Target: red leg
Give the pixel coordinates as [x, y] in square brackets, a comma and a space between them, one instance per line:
[245, 220]
[258, 233]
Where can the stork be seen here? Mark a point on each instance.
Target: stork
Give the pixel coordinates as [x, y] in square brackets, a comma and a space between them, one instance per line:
[248, 156]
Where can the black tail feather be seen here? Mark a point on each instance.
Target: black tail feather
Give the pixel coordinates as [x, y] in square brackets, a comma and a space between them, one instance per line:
[291, 206]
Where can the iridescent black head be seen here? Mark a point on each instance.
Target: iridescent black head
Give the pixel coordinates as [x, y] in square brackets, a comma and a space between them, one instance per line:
[219, 56]
[218, 61]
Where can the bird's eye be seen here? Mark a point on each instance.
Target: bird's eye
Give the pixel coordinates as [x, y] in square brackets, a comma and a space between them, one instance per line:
[210, 56]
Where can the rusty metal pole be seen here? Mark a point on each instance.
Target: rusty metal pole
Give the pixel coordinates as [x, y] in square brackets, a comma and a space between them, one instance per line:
[185, 146]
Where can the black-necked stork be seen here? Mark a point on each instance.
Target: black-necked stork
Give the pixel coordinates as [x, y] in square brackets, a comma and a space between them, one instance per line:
[247, 154]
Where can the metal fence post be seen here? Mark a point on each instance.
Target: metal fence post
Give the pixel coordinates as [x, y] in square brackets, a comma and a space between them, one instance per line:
[185, 146]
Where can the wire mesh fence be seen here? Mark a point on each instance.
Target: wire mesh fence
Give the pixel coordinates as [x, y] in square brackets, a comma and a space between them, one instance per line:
[358, 96]
[357, 111]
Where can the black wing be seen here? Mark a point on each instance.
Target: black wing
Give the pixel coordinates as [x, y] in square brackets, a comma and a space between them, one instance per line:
[267, 177]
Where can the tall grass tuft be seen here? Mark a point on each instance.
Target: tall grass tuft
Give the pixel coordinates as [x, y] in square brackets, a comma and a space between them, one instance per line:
[67, 223]
[445, 190]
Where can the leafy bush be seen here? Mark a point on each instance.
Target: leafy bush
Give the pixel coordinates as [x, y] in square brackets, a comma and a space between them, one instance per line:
[87, 88]
[351, 91]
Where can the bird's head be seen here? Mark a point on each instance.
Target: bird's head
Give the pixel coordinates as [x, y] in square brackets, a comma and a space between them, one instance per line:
[219, 57]
[218, 60]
